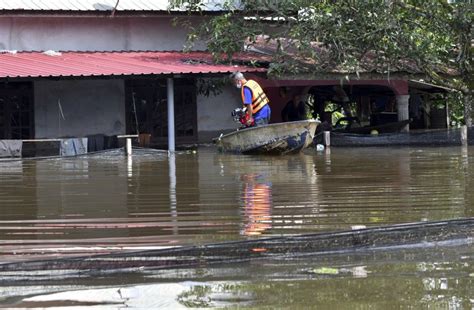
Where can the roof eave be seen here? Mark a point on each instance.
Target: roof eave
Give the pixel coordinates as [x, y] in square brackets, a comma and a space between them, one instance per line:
[352, 76]
[103, 13]
[429, 87]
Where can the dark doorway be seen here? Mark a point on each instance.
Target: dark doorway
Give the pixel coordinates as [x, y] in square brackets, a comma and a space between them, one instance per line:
[16, 111]
[147, 110]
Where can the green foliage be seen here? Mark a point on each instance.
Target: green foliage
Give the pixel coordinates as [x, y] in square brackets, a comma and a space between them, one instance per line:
[201, 296]
[422, 32]
[197, 297]
[351, 36]
[189, 5]
[456, 110]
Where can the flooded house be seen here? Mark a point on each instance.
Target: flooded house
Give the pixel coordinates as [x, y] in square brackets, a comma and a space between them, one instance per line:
[95, 71]
[372, 100]
[87, 69]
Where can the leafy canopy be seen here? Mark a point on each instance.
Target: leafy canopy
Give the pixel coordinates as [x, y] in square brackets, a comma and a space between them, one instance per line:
[431, 37]
[344, 34]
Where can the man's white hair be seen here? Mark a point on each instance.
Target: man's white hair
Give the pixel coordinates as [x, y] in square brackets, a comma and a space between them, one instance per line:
[238, 76]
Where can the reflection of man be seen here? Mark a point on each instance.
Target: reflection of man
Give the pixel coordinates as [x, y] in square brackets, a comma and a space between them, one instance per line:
[257, 205]
[254, 99]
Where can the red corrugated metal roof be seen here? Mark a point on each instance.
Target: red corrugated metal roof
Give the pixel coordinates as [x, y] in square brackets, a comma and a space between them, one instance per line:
[75, 64]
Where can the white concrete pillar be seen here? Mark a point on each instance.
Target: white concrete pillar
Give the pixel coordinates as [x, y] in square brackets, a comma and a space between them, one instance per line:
[402, 108]
[327, 138]
[170, 99]
[464, 135]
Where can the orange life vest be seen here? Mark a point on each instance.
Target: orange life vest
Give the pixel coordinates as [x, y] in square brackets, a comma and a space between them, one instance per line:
[259, 99]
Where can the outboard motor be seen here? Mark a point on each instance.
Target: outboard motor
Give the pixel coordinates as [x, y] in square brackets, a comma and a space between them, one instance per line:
[240, 116]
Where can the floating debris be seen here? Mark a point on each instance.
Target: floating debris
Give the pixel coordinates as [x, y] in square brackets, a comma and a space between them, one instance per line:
[326, 270]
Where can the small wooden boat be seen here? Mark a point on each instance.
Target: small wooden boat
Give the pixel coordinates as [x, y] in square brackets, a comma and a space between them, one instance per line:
[364, 140]
[278, 138]
[432, 137]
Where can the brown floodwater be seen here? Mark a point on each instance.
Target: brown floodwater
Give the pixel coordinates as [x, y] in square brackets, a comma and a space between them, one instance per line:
[103, 203]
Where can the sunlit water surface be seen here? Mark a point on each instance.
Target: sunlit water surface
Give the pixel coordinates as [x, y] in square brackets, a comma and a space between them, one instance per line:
[106, 203]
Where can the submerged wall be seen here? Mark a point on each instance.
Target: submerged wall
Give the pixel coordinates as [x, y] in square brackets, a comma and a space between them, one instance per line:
[88, 106]
[214, 113]
[470, 135]
[98, 107]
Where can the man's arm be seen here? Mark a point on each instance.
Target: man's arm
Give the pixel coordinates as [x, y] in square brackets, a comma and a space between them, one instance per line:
[248, 104]
[250, 114]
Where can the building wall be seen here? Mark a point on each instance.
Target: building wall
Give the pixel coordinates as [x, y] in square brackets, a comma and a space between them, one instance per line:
[97, 106]
[89, 107]
[214, 113]
[92, 34]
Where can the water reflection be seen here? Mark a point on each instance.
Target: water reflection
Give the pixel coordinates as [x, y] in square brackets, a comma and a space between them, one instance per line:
[173, 202]
[276, 194]
[257, 204]
[439, 278]
[129, 166]
[100, 204]
[112, 202]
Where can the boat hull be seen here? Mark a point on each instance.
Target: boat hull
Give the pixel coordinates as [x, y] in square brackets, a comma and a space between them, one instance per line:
[384, 128]
[278, 138]
[436, 137]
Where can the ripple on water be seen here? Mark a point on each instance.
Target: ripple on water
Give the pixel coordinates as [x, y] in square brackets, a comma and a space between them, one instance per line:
[105, 202]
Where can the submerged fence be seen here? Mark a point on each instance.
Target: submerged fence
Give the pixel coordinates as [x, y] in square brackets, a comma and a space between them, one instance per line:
[79, 146]
[423, 234]
[28, 148]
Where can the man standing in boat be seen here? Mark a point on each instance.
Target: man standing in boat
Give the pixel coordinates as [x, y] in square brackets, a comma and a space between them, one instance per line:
[254, 99]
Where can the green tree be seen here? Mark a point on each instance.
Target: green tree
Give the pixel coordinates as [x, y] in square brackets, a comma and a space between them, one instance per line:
[433, 37]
